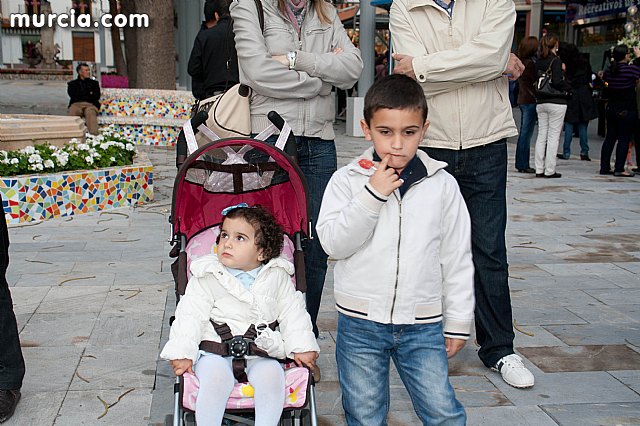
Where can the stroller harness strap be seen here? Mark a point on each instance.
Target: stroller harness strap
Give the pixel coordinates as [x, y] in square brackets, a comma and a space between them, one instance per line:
[236, 346]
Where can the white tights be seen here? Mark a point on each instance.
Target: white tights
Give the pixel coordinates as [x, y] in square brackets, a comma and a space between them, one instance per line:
[216, 383]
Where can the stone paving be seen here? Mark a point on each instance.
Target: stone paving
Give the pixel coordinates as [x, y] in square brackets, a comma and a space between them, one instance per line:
[93, 293]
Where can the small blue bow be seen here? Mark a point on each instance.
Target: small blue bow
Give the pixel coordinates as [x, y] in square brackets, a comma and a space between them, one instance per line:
[226, 210]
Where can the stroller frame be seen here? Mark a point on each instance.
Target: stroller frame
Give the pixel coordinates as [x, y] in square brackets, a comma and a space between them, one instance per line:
[290, 416]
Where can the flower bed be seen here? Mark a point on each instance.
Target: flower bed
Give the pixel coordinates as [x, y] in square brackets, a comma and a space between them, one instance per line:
[118, 180]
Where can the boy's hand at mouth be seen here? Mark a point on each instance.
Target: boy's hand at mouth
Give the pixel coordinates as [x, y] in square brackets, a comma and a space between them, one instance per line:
[385, 180]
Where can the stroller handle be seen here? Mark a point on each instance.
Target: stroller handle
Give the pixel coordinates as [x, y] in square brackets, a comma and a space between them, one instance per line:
[290, 146]
[181, 148]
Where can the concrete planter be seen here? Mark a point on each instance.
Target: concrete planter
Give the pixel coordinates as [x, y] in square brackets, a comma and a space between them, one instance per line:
[29, 198]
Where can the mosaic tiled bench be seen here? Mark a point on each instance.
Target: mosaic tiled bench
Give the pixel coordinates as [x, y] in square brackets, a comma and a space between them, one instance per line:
[149, 117]
[38, 197]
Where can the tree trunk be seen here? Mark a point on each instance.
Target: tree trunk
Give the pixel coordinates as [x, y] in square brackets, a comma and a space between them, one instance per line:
[155, 56]
[128, 7]
[118, 56]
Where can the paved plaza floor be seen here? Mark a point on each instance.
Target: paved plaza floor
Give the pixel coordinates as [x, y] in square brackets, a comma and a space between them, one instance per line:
[93, 293]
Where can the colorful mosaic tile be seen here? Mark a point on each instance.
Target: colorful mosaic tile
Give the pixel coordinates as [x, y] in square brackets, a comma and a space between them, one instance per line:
[31, 198]
[150, 117]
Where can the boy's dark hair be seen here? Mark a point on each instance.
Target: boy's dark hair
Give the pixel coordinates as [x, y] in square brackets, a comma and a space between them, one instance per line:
[395, 91]
[213, 6]
[269, 235]
[80, 65]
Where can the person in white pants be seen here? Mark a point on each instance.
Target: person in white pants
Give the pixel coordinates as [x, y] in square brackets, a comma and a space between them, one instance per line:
[550, 109]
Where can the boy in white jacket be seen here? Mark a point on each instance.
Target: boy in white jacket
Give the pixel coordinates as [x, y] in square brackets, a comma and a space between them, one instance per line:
[400, 233]
[245, 284]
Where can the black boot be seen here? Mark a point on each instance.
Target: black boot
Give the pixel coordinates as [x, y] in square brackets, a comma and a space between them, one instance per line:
[8, 401]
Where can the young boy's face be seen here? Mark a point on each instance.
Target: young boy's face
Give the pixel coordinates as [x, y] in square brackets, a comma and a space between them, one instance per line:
[237, 245]
[396, 133]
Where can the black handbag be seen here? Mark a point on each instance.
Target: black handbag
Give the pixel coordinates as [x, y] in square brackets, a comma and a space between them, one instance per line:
[544, 89]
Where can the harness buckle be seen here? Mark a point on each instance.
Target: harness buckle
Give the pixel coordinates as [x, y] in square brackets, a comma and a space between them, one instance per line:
[238, 347]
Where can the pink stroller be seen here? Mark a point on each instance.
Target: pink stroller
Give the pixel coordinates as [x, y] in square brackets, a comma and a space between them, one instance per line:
[223, 173]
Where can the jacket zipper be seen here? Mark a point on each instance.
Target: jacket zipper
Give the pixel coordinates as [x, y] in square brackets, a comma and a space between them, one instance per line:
[395, 289]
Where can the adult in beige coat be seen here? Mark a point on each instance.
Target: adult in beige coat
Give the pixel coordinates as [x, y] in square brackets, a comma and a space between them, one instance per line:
[459, 52]
[292, 66]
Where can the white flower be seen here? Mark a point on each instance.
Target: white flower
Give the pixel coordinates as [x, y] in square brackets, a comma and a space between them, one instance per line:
[112, 159]
[74, 140]
[14, 161]
[49, 164]
[83, 147]
[28, 150]
[88, 159]
[130, 147]
[35, 158]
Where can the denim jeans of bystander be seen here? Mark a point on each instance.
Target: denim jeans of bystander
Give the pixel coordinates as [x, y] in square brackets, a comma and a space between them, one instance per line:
[527, 124]
[481, 173]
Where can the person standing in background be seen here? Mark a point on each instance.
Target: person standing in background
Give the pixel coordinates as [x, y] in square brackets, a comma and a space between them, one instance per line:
[527, 51]
[550, 109]
[292, 67]
[213, 64]
[581, 107]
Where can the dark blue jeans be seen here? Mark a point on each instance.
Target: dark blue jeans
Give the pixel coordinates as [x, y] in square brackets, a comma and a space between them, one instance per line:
[318, 160]
[527, 124]
[568, 136]
[619, 128]
[481, 173]
[11, 361]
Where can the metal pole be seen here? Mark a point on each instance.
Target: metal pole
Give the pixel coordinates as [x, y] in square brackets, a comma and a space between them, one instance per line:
[367, 45]
[103, 44]
[536, 18]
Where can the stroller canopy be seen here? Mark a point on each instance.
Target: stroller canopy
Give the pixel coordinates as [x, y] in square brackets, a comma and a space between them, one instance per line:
[236, 170]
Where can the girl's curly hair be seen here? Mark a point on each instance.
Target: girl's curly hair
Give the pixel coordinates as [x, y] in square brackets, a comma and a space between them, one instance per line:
[269, 235]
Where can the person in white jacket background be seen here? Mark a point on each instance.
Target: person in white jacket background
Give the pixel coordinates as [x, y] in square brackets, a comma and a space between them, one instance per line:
[245, 283]
[401, 235]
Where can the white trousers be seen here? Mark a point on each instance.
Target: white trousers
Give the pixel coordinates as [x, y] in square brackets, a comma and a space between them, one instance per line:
[550, 123]
[216, 383]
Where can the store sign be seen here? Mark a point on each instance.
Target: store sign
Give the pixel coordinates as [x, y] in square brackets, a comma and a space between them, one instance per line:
[595, 8]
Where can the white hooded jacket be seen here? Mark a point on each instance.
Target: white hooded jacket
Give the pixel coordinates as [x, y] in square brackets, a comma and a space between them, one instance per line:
[400, 260]
[214, 294]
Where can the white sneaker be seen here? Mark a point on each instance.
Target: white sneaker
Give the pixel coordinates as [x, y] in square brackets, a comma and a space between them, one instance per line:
[514, 372]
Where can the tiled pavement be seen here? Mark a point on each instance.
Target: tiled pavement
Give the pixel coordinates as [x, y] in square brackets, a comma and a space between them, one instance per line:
[90, 294]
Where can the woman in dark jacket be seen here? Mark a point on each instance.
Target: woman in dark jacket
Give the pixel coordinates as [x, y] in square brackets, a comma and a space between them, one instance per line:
[527, 51]
[580, 106]
[550, 109]
[620, 82]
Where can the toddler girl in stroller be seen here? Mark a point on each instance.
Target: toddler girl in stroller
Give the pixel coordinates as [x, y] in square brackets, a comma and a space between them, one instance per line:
[245, 287]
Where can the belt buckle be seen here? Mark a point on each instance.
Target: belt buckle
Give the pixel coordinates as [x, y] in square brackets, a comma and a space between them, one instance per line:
[238, 347]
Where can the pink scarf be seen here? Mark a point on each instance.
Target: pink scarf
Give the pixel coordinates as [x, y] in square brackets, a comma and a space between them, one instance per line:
[296, 11]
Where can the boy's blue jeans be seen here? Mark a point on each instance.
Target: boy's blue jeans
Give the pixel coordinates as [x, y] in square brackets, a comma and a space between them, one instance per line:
[363, 350]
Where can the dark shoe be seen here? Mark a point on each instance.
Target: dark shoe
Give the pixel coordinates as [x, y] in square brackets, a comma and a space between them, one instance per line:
[539, 174]
[8, 401]
[624, 174]
[553, 176]
[562, 157]
[606, 172]
[585, 157]
[527, 170]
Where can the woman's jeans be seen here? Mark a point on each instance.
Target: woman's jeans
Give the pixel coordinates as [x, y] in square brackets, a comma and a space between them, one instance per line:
[527, 124]
[481, 173]
[363, 351]
[619, 128]
[318, 160]
[568, 136]
[550, 120]
[11, 361]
